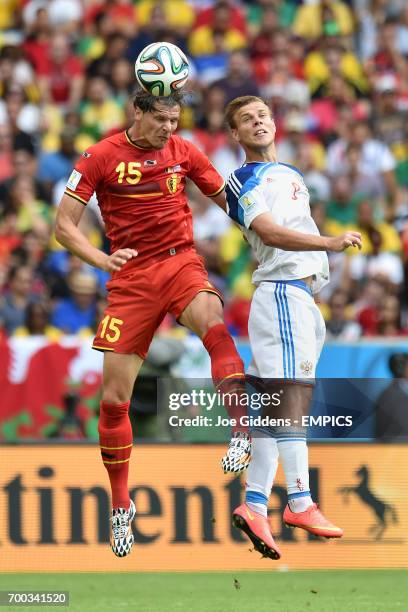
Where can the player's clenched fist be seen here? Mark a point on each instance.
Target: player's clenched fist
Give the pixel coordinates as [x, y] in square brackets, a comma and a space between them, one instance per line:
[341, 243]
[115, 261]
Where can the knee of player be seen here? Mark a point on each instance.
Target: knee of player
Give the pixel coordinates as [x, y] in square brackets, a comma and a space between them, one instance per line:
[114, 394]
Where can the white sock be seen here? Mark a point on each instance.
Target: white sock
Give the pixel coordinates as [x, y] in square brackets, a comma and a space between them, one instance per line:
[295, 463]
[261, 472]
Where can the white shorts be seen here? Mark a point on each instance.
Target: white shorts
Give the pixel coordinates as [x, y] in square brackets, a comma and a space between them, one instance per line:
[286, 331]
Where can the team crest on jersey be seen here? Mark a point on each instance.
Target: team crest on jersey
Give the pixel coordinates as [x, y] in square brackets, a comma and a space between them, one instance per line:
[173, 182]
[306, 367]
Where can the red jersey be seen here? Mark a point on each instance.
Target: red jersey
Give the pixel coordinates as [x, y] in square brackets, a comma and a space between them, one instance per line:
[141, 192]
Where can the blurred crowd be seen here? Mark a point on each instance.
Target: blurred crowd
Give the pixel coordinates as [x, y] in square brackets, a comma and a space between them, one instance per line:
[335, 73]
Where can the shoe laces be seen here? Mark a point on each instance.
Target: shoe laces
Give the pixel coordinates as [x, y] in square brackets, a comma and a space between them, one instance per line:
[120, 523]
[238, 444]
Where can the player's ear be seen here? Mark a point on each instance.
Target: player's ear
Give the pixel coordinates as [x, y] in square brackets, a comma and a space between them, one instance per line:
[234, 134]
[138, 113]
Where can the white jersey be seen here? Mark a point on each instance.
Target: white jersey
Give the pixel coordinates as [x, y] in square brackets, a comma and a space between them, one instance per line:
[259, 187]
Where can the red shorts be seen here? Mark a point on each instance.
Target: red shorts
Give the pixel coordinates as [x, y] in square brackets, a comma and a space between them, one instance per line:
[139, 300]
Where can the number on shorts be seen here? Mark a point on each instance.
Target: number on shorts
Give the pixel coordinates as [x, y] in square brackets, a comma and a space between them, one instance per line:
[112, 324]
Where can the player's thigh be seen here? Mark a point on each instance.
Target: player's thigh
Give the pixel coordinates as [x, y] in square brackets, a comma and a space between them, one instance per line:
[193, 300]
[119, 375]
[204, 311]
[131, 318]
[264, 335]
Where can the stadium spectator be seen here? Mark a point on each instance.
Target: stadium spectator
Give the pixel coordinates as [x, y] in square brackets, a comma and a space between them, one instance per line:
[99, 111]
[219, 35]
[6, 147]
[64, 15]
[57, 165]
[178, 14]
[333, 59]
[31, 213]
[389, 318]
[121, 81]
[115, 48]
[15, 300]
[37, 323]
[376, 159]
[25, 167]
[391, 415]
[10, 237]
[60, 74]
[329, 17]
[339, 324]
[391, 121]
[76, 313]
[308, 160]
[238, 82]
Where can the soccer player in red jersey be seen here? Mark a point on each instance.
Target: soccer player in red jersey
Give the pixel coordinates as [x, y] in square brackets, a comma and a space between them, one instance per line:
[139, 178]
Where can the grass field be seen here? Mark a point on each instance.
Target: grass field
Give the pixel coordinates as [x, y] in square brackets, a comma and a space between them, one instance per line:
[328, 591]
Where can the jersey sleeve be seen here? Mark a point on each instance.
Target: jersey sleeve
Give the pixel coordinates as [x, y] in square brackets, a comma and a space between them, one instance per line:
[86, 176]
[202, 172]
[245, 202]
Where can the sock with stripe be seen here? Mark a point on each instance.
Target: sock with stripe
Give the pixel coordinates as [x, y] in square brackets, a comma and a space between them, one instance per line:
[261, 473]
[295, 462]
[116, 440]
[227, 371]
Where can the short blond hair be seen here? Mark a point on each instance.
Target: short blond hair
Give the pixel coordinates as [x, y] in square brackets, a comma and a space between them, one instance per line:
[235, 105]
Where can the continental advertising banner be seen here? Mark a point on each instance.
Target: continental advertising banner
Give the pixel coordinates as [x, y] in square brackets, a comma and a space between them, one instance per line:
[54, 509]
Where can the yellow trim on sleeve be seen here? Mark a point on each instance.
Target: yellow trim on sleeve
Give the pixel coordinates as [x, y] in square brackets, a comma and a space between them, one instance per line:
[75, 196]
[211, 195]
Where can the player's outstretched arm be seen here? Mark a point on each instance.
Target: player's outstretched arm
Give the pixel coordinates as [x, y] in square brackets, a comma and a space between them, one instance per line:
[275, 235]
[220, 200]
[70, 236]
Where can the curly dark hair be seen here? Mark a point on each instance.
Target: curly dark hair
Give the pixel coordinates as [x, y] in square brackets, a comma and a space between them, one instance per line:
[146, 101]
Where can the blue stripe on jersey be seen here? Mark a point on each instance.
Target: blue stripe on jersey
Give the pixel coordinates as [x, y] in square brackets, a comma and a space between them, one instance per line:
[249, 176]
[292, 168]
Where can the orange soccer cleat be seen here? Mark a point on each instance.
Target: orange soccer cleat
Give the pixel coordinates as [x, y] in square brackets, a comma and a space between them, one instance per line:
[312, 520]
[257, 529]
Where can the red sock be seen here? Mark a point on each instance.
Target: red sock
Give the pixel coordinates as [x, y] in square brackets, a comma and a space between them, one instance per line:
[116, 440]
[227, 371]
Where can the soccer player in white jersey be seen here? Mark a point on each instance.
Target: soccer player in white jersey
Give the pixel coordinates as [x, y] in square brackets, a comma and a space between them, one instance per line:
[270, 201]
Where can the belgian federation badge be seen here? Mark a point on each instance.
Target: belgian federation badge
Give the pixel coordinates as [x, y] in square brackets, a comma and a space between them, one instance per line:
[173, 182]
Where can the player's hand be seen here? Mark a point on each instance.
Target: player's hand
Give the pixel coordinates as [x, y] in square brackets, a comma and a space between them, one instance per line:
[118, 259]
[341, 243]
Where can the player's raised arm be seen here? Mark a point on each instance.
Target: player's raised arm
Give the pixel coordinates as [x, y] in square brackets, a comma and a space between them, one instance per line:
[70, 236]
[82, 183]
[275, 235]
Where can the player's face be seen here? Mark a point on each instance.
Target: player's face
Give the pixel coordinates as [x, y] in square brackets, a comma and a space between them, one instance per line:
[255, 129]
[156, 127]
